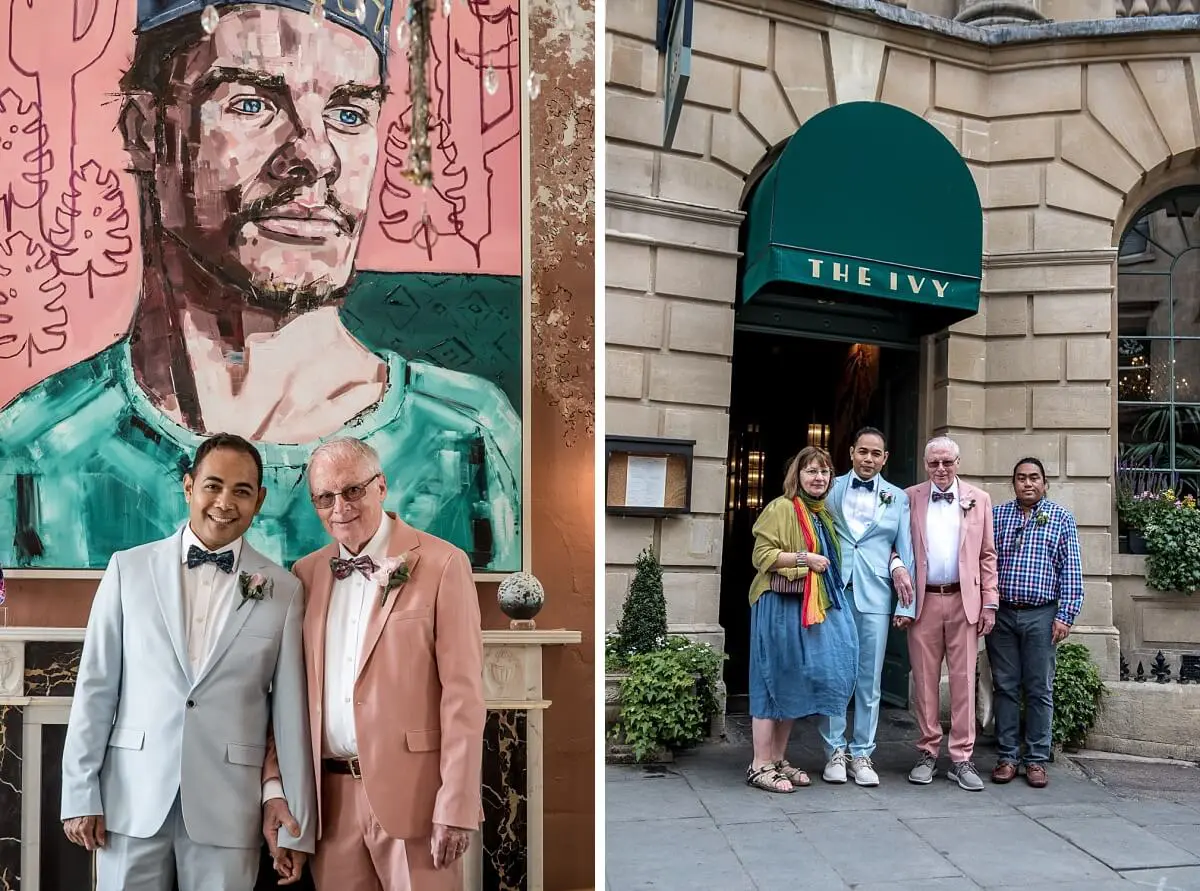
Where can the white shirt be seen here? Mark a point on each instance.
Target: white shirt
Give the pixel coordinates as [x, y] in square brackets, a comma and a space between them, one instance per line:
[350, 605]
[942, 525]
[208, 595]
[858, 505]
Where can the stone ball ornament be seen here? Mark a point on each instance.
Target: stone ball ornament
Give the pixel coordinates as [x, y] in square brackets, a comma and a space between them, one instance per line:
[521, 597]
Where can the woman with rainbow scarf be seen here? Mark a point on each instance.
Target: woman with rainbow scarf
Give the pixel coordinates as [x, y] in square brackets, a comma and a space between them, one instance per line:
[803, 645]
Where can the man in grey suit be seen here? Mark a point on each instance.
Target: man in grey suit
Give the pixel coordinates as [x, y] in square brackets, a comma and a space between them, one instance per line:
[870, 516]
[193, 646]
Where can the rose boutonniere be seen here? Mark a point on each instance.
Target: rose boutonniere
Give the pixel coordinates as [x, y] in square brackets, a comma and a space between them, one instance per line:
[886, 498]
[391, 574]
[1042, 518]
[967, 504]
[254, 586]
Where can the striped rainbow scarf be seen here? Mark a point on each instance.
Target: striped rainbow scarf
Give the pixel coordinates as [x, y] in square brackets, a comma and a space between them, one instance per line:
[817, 598]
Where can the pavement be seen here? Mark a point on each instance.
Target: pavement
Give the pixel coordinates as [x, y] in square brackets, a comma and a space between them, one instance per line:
[1104, 823]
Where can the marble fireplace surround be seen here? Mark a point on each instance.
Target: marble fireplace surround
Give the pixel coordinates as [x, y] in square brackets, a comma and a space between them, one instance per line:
[37, 679]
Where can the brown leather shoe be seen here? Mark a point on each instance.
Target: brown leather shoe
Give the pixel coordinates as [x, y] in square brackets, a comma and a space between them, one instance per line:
[1035, 775]
[1004, 772]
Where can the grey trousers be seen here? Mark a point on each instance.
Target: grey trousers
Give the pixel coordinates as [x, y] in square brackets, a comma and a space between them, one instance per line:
[1021, 652]
[153, 864]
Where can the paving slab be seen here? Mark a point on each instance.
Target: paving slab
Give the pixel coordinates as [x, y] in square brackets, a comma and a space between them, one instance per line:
[1185, 879]
[1013, 849]
[1185, 836]
[669, 854]
[652, 798]
[864, 846]
[959, 883]
[1149, 812]
[776, 858]
[1119, 843]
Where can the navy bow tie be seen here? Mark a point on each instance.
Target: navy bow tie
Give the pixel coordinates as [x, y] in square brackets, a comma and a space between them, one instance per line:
[943, 496]
[198, 557]
[856, 483]
[343, 568]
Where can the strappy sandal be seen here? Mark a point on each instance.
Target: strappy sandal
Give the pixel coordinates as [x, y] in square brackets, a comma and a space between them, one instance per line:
[768, 779]
[793, 775]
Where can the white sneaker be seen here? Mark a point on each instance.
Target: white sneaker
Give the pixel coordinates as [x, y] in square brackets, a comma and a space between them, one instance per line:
[863, 772]
[835, 770]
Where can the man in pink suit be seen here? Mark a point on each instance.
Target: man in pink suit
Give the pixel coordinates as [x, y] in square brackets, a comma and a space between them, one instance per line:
[957, 598]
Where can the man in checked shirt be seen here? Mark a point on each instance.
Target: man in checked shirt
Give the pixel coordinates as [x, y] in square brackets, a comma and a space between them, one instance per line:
[1041, 593]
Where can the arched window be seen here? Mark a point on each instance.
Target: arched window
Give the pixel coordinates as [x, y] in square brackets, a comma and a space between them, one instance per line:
[1158, 346]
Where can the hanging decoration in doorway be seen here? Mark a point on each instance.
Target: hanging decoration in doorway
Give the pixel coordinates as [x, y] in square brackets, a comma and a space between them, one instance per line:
[856, 389]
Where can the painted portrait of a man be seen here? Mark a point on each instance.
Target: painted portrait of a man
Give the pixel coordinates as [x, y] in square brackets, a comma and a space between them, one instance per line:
[253, 134]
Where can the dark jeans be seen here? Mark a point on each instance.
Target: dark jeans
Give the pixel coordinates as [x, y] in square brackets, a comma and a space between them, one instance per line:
[1021, 653]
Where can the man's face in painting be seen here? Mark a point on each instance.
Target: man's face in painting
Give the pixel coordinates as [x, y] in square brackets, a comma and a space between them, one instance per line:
[268, 150]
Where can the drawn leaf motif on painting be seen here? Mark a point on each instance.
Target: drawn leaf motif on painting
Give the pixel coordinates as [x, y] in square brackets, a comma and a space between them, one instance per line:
[32, 317]
[23, 153]
[402, 202]
[94, 212]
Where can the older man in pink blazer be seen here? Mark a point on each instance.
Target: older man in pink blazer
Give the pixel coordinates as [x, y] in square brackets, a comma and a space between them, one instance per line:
[957, 597]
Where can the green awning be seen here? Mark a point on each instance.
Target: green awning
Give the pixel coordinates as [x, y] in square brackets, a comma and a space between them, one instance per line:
[871, 201]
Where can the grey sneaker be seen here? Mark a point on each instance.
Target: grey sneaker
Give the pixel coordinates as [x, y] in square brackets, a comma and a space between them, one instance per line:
[965, 774]
[925, 770]
[835, 770]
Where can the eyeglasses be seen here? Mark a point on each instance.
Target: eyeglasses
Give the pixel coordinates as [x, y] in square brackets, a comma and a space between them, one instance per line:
[936, 464]
[325, 500]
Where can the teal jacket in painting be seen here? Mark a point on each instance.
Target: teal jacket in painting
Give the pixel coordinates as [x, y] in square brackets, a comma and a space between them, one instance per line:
[89, 466]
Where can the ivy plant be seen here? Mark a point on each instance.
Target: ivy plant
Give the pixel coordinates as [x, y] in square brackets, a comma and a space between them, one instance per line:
[669, 696]
[1077, 693]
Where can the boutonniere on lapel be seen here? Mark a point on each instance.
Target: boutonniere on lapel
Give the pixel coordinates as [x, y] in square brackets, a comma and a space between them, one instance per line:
[391, 574]
[886, 497]
[1042, 518]
[254, 586]
[967, 504]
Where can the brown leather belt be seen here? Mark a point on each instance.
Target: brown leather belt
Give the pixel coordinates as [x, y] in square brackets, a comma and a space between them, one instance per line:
[343, 766]
[953, 588]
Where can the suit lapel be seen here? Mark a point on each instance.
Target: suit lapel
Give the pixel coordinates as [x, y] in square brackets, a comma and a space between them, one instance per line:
[920, 511]
[251, 562]
[403, 541]
[166, 573]
[965, 494]
[316, 615]
[880, 507]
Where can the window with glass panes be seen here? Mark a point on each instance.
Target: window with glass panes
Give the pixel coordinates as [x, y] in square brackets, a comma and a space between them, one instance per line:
[1158, 340]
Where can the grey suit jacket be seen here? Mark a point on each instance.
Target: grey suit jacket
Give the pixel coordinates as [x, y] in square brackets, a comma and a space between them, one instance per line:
[142, 728]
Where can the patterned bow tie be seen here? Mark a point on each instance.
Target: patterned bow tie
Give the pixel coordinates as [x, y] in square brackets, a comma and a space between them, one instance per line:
[856, 483]
[943, 496]
[198, 557]
[342, 568]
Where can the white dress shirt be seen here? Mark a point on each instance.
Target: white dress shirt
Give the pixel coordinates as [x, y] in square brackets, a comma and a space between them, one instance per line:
[858, 505]
[350, 606]
[942, 525]
[208, 595]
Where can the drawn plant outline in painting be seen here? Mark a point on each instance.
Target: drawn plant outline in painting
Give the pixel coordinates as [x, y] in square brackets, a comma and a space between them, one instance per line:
[24, 155]
[451, 209]
[105, 245]
[32, 317]
[65, 48]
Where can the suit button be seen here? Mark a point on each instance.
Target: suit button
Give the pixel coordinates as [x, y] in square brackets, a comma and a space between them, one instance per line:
[191, 703]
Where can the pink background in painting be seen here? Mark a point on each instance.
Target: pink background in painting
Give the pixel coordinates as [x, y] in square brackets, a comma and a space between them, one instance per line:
[69, 264]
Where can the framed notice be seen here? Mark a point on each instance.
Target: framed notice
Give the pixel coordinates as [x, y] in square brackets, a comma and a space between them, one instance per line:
[648, 477]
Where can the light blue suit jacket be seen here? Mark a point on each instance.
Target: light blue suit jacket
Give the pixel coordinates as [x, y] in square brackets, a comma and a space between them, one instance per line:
[866, 560]
[142, 728]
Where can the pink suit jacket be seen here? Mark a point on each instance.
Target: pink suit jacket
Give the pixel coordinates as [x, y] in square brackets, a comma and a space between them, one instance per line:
[419, 707]
[976, 552]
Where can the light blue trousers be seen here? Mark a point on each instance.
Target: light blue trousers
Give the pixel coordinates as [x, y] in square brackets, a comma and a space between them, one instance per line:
[872, 644]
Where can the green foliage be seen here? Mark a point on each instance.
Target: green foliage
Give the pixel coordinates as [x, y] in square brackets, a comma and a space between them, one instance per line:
[643, 625]
[669, 696]
[1077, 692]
[1172, 530]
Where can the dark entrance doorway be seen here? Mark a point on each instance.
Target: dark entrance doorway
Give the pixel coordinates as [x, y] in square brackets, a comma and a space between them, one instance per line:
[788, 391]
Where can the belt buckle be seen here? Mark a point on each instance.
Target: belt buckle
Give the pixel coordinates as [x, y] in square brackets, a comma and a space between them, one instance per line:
[354, 771]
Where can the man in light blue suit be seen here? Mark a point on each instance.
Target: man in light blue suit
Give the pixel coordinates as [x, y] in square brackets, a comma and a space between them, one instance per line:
[871, 519]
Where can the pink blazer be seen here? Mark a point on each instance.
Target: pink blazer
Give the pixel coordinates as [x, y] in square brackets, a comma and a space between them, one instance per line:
[976, 551]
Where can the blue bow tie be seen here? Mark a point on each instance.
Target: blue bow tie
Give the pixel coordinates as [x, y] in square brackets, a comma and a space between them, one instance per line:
[856, 483]
[198, 557]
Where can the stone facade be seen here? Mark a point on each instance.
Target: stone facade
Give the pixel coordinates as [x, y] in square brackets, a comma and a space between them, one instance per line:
[1066, 139]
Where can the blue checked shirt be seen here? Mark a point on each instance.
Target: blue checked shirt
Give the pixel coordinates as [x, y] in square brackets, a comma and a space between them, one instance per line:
[1039, 562]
